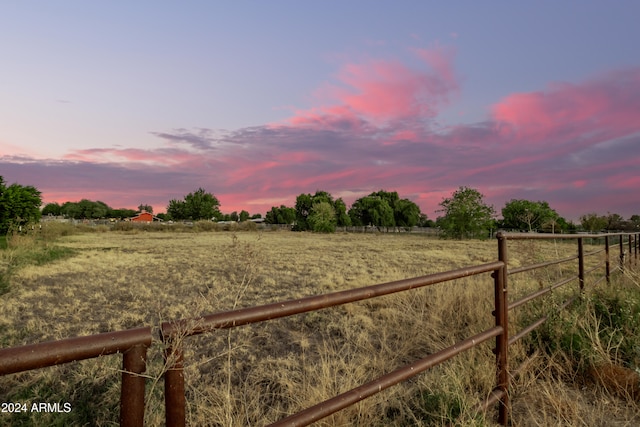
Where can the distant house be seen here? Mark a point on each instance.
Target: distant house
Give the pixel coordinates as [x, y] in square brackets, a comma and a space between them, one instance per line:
[145, 216]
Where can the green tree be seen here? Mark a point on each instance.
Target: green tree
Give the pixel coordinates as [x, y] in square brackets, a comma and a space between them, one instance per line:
[557, 224]
[342, 218]
[99, 210]
[177, 209]
[145, 207]
[85, 209]
[384, 209]
[201, 205]
[19, 205]
[322, 217]
[306, 202]
[92, 210]
[281, 215]
[121, 213]
[70, 210]
[615, 222]
[465, 214]
[372, 210]
[52, 209]
[593, 222]
[406, 213]
[196, 206]
[523, 214]
[244, 216]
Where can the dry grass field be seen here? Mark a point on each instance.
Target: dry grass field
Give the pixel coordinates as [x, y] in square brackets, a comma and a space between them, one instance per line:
[257, 374]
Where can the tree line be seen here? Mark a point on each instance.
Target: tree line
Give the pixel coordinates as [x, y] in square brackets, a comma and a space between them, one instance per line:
[197, 205]
[465, 214]
[322, 213]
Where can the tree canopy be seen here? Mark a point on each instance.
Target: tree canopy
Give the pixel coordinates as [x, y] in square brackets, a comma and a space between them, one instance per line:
[385, 209]
[593, 222]
[523, 214]
[322, 217]
[196, 206]
[308, 205]
[52, 209]
[372, 210]
[281, 215]
[465, 214]
[615, 222]
[86, 209]
[19, 205]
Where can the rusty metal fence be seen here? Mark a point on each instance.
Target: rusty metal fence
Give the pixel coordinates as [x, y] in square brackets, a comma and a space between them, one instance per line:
[133, 343]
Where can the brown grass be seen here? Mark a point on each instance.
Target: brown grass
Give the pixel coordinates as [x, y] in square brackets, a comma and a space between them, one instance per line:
[257, 374]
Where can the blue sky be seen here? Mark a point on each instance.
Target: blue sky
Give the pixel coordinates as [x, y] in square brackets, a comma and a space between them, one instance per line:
[258, 102]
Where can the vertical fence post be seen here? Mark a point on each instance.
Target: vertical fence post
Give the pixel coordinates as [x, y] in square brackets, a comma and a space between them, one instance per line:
[581, 264]
[502, 340]
[174, 398]
[621, 244]
[630, 249]
[134, 363]
[607, 264]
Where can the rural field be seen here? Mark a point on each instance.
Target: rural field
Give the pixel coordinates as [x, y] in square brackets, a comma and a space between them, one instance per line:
[253, 375]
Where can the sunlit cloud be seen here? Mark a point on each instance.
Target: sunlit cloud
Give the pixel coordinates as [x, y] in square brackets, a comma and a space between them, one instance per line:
[572, 144]
[384, 92]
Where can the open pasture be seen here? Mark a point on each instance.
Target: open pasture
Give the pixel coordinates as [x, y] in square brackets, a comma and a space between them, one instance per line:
[258, 374]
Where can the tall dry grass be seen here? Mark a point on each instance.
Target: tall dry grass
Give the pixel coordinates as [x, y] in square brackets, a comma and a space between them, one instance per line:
[257, 374]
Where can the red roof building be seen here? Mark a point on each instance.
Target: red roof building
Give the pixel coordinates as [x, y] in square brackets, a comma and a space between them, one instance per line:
[144, 216]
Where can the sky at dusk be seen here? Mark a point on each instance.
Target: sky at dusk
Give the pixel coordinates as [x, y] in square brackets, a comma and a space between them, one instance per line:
[258, 102]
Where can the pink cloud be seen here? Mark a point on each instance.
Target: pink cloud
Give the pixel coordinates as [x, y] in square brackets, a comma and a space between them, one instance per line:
[383, 91]
[624, 181]
[572, 144]
[405, 135]
[335, 117]
[107, 155]
[441, 60]
[297, 157]
[608, 103]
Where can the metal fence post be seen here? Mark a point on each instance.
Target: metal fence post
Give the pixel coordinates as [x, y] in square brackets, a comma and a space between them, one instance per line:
[502, 340]
[134, 363]
[581, 264]
[621, 244]
[174, 398]
[607, 264]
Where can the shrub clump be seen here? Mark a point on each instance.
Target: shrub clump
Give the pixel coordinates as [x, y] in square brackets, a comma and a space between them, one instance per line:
[600, 333]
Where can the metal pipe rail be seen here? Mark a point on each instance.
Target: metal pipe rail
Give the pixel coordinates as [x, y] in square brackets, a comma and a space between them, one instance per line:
[633, 245]
[541, 292]
[348, 398]
[540, 265]
[132, 343]
[244, 316]
[173, 334]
